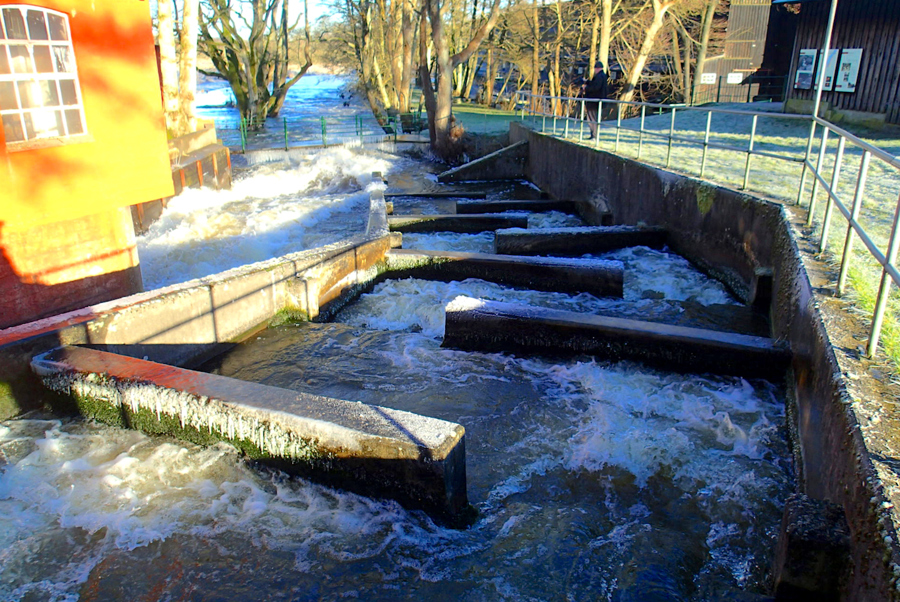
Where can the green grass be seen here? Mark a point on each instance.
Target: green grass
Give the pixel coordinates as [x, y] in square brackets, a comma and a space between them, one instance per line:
[479, 119]
[778, 179]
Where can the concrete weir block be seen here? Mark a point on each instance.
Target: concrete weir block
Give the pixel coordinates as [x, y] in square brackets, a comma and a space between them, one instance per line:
[479, 325]
[505, 164]
[597, 277]
[574, 242]
[461, 194]
[472, 207]
[372, 450]
[463, 224]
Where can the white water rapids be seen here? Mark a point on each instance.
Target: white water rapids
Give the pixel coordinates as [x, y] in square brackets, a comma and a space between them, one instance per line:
[593, 480]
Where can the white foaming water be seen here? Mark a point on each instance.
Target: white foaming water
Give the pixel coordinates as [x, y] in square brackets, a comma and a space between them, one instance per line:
[448, 241]
[670, 275]
[418, 305]
[78, 493]
[553, 219]
[271, 210]
[631, 460]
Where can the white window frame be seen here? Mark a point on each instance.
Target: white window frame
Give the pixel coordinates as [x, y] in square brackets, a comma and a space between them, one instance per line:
[53, 124]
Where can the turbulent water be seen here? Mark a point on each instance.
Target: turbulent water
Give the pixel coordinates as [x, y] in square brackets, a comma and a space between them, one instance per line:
[592, 480]
[313, 199]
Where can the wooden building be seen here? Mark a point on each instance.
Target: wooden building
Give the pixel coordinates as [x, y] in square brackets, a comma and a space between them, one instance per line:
[863, 70]
[734, 75]
[83, 137]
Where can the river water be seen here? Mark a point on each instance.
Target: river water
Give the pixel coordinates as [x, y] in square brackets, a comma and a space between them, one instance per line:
[593, 480]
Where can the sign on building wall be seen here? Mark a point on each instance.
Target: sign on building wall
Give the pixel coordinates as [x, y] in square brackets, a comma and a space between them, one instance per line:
[830, 68]
[805, 67]
[734, 78]
[848, 70]
[708, 78]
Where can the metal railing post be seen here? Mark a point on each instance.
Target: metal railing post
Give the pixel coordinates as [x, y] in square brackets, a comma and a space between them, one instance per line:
[243, 136]
[641, 132]
[820, 163]
[854, 215]
[543, 116]
[581, 125]
[599, 121]
[324, 135]
[618, 124]
[809, 143]
[566, 116]
[285, 134]
[705, 143]
[829, 207]
[719, 92]
[553, 110]
[671, 133]
[884, 289]
[749, 153]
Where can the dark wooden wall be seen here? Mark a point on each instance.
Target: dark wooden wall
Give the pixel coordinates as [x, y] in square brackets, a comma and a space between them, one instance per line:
[874, 26]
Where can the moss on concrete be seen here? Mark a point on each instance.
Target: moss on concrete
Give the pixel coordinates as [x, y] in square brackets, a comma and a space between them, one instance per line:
[289, 315]
[9, 407]
[145, 420]
[706, 197]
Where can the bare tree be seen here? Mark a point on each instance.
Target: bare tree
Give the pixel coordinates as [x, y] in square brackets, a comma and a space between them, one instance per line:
[168, 63]
[660, 8]
[706, 29]
[441, 111]
[248, 43]
[178, 64]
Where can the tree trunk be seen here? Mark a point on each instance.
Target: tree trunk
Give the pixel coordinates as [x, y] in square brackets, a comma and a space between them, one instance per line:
[168, 65]
[592, 56]
[704, 46]
[535, 55]
[187, 84]
[425, 77]
[605, 32]
[488, 89]
[408, 33]
[441, 117]
[679, 71]
[660, 8]
[687, 50]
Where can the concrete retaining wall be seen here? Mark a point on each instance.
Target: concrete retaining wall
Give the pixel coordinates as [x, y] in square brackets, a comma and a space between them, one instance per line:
[737, 237]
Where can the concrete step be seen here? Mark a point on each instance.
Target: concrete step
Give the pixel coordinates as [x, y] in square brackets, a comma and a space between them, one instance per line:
[417, 460]
[469, 207]
[464, 224]
[479, 325]
[461, 194]
[574, 242]
[599, 278]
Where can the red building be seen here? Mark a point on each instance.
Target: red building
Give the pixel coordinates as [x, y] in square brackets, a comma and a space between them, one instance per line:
[83, 138]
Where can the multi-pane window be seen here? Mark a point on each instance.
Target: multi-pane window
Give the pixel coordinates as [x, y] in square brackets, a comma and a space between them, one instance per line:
[40, 97]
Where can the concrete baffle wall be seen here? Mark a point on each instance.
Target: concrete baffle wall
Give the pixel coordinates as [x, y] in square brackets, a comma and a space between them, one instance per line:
[739, 239]
[372, 450]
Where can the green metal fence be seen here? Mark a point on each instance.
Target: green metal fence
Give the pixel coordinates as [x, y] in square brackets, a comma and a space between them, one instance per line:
[286, 132]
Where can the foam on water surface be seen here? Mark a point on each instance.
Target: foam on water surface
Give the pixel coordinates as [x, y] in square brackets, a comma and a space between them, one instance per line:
[652, 279]
[609, 463]
[319, 197]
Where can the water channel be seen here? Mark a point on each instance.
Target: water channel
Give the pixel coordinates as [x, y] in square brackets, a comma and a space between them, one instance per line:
[592, 480]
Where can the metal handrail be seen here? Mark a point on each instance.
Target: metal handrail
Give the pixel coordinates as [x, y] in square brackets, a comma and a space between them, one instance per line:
[886, 258]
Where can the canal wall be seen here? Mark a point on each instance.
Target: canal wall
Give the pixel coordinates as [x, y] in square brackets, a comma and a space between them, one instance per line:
[748, 243]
